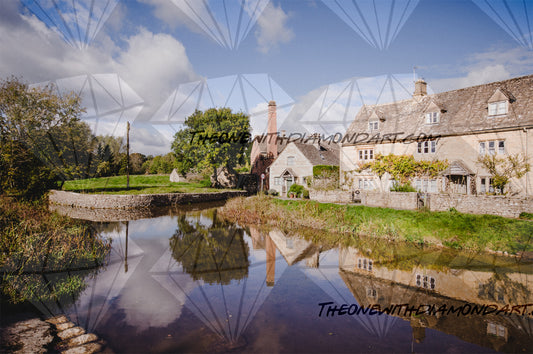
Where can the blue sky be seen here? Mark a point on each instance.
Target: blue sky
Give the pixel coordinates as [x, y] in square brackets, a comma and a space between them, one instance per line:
[300, 53]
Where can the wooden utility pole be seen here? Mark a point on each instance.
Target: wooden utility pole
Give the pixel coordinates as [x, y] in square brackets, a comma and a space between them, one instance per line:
[128, 156]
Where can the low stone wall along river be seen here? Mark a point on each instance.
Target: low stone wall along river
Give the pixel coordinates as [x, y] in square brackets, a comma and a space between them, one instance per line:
[133, 201]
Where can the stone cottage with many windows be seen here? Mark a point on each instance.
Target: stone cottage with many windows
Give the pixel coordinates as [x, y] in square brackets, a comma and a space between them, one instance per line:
[458, 126]
[295, 163]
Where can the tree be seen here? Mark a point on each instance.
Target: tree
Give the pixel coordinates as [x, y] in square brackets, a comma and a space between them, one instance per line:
[216, 254]
[503, 169]
[42, 139]
[214, 138]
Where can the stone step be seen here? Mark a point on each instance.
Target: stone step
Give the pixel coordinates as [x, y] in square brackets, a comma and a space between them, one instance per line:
[70, 333]
[84, 349]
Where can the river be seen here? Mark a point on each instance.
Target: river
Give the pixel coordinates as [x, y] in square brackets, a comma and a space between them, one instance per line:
[183, 280]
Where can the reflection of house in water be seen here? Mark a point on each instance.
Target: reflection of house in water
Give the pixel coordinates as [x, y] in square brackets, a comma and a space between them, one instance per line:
[294, 248]
[229, 283]
[423, 286]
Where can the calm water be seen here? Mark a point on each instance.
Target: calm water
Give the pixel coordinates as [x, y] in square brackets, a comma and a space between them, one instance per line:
[187, 282]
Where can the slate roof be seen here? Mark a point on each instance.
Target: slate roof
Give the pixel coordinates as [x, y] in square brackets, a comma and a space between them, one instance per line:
[463, 111]
[327, 155]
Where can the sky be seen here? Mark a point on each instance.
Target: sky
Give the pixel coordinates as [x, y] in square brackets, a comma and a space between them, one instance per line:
[153, 62]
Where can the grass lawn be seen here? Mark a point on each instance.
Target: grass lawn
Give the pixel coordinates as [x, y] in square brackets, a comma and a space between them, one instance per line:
[139, 184]
[451, 229]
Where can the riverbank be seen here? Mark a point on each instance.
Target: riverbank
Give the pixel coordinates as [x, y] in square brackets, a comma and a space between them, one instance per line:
[35, 242]
[448, 229]
[134, 201]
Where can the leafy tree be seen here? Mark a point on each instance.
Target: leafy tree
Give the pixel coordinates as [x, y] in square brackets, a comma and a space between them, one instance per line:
[42, 139]
[215, 254]
[503, 169]
[214, 138]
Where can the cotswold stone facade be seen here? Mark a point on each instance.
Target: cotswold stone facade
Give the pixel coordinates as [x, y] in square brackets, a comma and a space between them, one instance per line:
[458, 126]
[295, 163]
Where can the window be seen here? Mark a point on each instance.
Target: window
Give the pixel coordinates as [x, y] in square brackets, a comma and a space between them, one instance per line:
[366, 154]
[277, 181]
[501, 147]
[432, 117]
[427, 147]
[497, 108]
[426, 185]
[496, 329]
[492, 147]
[290, 160]
[425, 281]
[492, 151]
[364, 263]
[486, 186]
[371, 292]
[366, 184]
[373, 125]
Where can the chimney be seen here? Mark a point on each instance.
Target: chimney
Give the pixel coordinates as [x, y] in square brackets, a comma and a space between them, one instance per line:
[420, 89]
[272, 130]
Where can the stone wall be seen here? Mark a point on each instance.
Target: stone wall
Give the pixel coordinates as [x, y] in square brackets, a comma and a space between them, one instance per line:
[331, 196]
[395, 200]
[110, 201]
[481, 204]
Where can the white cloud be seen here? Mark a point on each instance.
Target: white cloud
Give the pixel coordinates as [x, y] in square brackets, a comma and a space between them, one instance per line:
[490, 66]
[272, 28]
[152, 64]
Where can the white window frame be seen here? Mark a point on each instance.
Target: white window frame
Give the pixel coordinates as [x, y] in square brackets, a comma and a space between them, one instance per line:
[373, 125]
[427, 147]
[277, 181]
[498, 108]
[432, 117]
[492, 147]
[366, 184]
[290, 160]
[366, 154]
[426, 185]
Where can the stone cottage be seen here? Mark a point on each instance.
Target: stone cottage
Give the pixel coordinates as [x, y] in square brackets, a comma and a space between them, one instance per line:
[458, 126]
[295, 163]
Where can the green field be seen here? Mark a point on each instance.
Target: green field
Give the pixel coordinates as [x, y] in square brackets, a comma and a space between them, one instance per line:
[139, 184]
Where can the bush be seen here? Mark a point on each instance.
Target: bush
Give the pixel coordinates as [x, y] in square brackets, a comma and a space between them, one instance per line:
[296, 189]
[305, 194]
[325, 171]
[272, 192]
[527, 216]
[403, 188]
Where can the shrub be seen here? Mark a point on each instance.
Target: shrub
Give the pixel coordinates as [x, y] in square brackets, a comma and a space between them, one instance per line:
[296, 189]
[272, 192]
[325, 171]
[305, 194]
[403, 188]
[527, 216]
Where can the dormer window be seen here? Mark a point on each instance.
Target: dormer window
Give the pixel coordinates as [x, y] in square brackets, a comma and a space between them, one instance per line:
[373, 125]
[432, 117]
[497, 108]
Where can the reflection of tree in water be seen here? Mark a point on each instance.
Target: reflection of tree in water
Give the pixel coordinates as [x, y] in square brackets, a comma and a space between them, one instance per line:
[215, 254]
